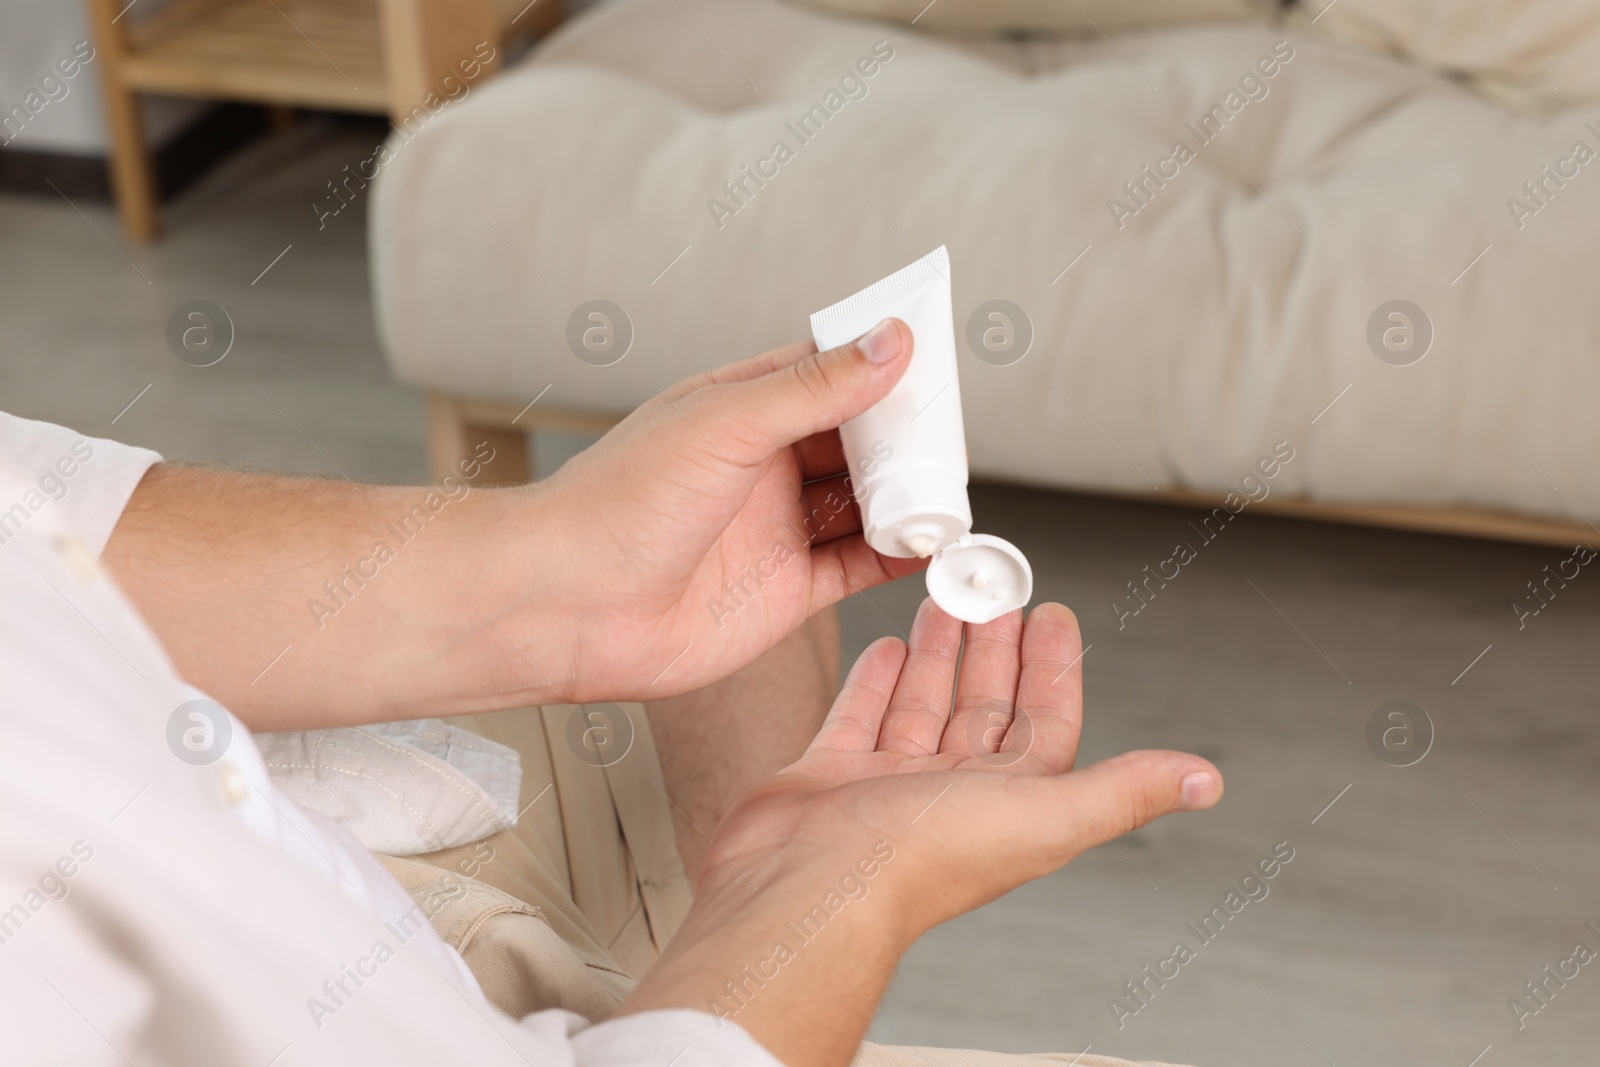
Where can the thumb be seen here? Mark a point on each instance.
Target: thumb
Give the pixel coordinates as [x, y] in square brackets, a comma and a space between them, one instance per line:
[1099, 803]
[750, 420]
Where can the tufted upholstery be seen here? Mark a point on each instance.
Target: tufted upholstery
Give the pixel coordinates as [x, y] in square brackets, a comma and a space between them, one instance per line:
[1219, 318]
[1546, 50]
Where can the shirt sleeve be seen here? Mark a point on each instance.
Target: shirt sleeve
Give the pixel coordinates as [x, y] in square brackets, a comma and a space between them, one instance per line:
[133, 894]
[680, 1037]
[86, 481]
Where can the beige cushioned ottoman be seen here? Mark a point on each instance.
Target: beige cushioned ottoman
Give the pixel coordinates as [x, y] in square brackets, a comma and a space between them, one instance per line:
[1175, 339]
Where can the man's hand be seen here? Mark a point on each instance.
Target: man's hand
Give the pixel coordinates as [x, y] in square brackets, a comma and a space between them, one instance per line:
[691, 539]
[969, 803]
[710, 523]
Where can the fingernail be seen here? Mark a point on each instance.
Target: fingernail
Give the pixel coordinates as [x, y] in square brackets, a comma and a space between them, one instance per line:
[881, 343]
[1199, 791]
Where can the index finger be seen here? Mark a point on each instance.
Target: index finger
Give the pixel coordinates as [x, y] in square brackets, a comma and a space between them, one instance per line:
[747, 421]
[821, 456]
[744, 369]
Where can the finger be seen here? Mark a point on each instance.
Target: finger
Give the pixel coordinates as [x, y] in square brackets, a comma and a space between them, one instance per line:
[987, 688]
[853, 722]
[1105, 801]
[1049, 718]
[920, 707]
[848, 565]
[742, 370]
[747, 421]
[828, 512]
[821, 455]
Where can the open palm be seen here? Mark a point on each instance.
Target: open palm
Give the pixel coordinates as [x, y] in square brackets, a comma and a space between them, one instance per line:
[968, 773]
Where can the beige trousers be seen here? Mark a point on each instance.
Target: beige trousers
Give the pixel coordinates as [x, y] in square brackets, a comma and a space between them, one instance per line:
[571, 906]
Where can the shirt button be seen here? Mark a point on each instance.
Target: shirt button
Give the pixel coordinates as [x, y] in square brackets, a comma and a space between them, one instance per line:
[234, 787]
[77, 558]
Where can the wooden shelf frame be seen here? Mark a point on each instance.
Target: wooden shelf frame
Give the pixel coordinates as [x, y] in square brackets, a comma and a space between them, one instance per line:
[371, 56]
[293, 53]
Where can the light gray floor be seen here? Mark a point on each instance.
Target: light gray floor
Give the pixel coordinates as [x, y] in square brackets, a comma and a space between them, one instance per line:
[1414, 906]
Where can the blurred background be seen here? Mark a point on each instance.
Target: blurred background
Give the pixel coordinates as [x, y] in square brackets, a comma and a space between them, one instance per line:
[356, 237]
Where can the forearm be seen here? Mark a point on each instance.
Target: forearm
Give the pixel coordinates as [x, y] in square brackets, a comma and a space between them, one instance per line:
[692, 538]
[802, 979]
[304, 603]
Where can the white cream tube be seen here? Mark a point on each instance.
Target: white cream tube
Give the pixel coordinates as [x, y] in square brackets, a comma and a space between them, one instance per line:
[907, 454]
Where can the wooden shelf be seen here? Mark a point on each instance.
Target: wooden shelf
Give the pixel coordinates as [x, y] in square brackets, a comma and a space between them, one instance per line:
[383, 57]
[295, 53]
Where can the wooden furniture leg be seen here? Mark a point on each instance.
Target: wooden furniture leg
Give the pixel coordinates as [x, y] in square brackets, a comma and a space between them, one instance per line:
[133, 177]
[426, 42]
[458, 425]
[454, 439]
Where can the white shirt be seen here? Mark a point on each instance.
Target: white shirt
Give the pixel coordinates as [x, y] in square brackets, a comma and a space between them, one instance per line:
[158, 910]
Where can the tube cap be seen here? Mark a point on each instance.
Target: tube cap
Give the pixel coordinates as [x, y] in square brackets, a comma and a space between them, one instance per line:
[979, 577]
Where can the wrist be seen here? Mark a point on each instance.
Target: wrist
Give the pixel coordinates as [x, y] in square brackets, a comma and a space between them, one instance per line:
[797, 953]
[505, 569]
[840, 906]
[852, 879]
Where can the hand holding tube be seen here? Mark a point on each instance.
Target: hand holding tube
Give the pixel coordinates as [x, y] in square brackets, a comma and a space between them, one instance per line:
[709, 524]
